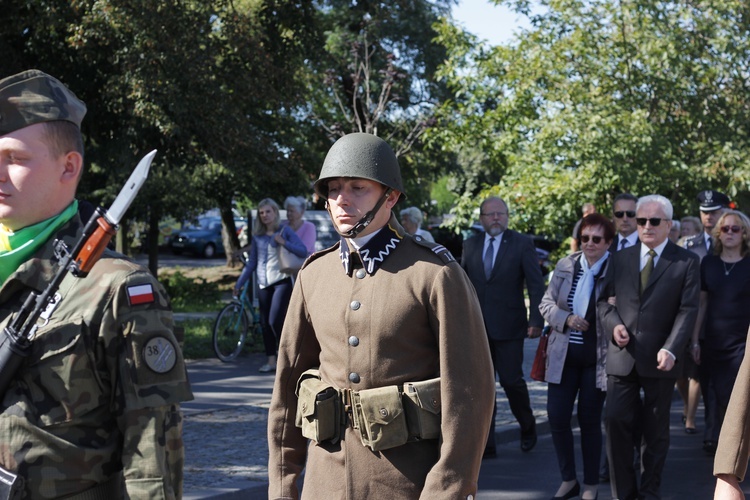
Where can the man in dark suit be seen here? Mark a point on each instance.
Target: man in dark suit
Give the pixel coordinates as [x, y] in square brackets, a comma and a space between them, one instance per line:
[498, 262]
[623, 211]
[656, 286]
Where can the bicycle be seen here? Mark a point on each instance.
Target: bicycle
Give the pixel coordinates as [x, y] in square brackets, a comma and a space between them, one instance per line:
[232, 326]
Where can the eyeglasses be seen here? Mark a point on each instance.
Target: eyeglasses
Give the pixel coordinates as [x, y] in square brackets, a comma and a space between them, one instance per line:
[621, 213]
[734, 229]
[596, 239]
[493, 214]
[654, 221]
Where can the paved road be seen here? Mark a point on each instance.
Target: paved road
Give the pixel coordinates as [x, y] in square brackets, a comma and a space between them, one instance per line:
[226, 450]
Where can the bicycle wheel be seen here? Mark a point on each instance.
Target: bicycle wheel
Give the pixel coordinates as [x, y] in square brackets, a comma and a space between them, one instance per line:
[254, 331]
[230, 331]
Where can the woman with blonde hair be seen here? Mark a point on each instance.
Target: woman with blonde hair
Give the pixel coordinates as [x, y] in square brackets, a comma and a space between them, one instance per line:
[275, 287]
[725, 295]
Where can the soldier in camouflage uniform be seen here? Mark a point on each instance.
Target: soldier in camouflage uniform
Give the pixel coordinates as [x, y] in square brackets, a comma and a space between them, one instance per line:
[93, 411]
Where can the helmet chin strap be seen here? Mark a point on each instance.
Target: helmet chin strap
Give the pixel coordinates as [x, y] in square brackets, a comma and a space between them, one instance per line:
[364, 221]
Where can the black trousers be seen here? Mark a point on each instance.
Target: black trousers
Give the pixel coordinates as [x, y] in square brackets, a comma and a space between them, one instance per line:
[580, 382]
[273, 302]
[623, 405]
[507, 358]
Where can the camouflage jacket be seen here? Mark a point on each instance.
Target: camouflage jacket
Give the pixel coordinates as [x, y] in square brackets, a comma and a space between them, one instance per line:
[98, 397]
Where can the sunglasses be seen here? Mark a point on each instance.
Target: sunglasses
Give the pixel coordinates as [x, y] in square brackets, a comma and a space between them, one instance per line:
[733, 229]
[654, 221]
[620, 214]
[596, 239]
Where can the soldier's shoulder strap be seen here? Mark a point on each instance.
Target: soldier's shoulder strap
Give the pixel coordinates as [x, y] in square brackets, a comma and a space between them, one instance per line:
[443, 253]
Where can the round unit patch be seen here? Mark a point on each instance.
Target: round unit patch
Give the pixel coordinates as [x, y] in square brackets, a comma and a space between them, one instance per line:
[159, 355]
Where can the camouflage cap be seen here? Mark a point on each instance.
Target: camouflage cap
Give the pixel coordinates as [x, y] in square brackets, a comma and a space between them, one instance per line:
[35, 97]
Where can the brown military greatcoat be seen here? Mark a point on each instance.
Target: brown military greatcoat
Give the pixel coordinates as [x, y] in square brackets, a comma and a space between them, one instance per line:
[410, 314]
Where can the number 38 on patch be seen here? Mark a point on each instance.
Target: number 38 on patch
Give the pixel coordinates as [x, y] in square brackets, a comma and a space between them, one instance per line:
[159, 355]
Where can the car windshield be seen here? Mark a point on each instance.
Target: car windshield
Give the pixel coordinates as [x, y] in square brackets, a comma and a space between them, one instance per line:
[204, 224]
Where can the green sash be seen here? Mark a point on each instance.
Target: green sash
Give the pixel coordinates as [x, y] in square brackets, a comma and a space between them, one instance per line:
[16, 247]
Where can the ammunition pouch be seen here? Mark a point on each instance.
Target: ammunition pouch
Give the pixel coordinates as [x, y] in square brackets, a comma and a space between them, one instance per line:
[319, 412]
[422, 405]
[384, 417]
[379, 416]
[11, 485]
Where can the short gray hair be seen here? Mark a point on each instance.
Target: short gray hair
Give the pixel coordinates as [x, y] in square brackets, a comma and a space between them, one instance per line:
[414, 214]
[666, 205]
[296, 201]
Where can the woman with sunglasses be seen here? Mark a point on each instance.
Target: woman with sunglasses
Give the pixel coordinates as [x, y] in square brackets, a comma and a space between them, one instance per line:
[725, 295]
[576, 353]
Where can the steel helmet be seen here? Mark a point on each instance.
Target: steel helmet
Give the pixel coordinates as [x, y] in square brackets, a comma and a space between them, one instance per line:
[360, 155]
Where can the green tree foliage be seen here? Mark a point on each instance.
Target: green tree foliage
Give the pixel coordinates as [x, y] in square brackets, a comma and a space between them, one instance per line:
[597, 98]
[209, 84]
[377, 75]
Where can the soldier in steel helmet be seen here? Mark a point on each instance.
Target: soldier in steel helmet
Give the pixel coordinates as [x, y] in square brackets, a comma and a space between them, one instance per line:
[383, 361]
[93, 412]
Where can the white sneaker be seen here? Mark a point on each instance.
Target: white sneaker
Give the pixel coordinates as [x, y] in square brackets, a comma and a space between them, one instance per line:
[267, 368]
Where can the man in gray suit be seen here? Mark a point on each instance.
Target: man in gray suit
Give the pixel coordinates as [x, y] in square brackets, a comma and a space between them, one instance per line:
[498, 262]
[656, 286]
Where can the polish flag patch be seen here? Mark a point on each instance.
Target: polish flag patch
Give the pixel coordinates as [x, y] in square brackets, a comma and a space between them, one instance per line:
[141, 294]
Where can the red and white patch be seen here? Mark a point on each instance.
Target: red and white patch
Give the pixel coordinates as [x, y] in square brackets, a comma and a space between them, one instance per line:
[141, 294]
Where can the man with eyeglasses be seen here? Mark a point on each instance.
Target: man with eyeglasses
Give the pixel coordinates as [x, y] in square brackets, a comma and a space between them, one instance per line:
[498, 262]
[712, 206]
[623, 210]
[657, 286]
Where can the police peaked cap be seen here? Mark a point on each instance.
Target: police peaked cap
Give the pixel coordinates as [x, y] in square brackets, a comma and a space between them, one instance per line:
[711, 200]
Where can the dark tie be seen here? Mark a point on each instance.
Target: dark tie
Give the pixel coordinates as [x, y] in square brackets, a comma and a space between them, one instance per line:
[623, 243]
[646, 271]
[709, 243]
[488, 259]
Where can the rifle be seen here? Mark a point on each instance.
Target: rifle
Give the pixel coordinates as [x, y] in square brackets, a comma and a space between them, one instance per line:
[17, 337]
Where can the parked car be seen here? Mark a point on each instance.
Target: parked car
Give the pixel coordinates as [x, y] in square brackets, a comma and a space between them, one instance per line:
[201, 238]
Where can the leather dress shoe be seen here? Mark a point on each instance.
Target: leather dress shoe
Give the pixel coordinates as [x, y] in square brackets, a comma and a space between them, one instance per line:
[709, 447]
[528, 442]
[572, 492]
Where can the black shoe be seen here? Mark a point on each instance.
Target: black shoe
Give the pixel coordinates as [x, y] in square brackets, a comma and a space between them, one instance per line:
[709, 447]
[489, 453]
[572, 492]
[690, 430]
[528, 442]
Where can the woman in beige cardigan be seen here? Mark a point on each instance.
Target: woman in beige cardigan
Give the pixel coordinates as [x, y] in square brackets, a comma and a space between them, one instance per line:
[732, 453]
[576, 352]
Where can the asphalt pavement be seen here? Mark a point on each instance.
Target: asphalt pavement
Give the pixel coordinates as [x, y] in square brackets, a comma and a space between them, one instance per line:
[226, 449]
